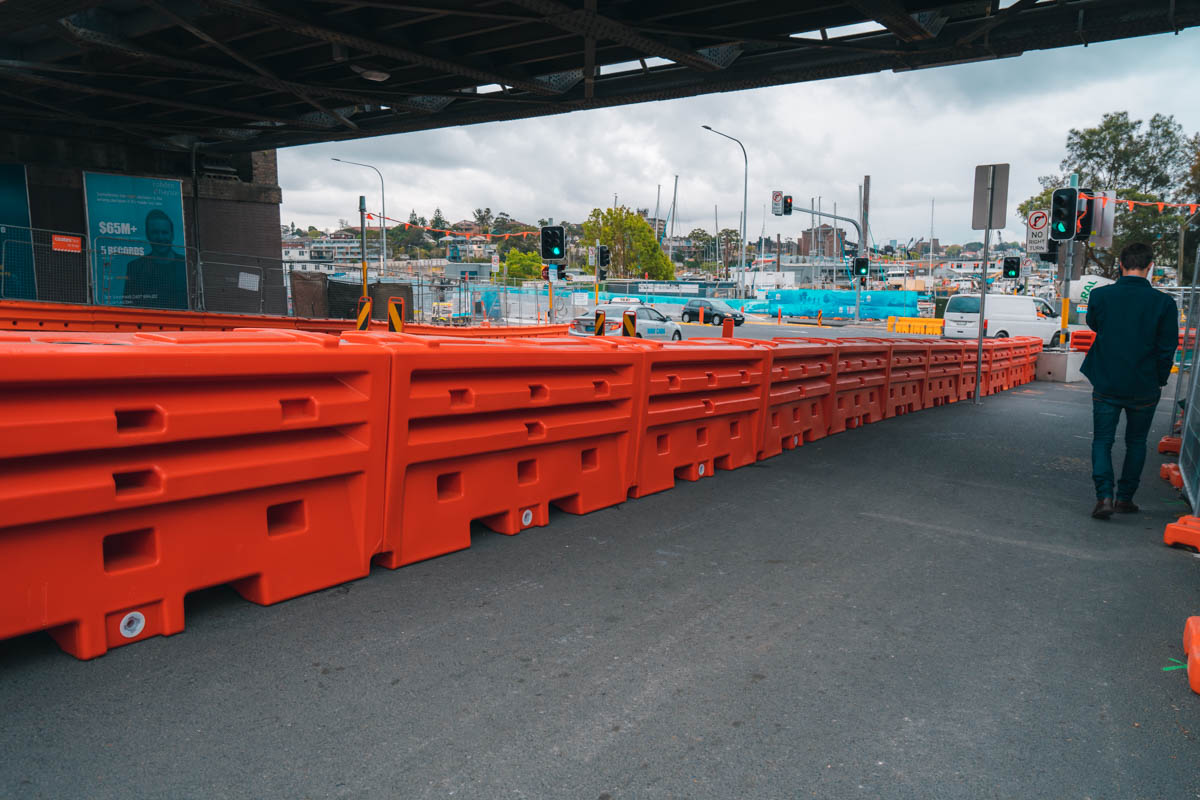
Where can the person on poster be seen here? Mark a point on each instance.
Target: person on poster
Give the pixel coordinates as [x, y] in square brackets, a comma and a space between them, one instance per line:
[158, 279]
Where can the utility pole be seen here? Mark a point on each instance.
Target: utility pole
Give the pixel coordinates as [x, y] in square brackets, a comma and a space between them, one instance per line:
[362, 230]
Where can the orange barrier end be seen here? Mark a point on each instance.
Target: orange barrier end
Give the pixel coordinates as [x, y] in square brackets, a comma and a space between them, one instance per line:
[1170, 472]
[1191, 633]
[1183, 532]
[1169, 445]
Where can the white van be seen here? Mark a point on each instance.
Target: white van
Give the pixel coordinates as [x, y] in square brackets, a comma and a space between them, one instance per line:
[1007, 315]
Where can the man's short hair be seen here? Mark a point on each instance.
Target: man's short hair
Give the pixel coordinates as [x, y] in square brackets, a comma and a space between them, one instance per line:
[1136, 257]
[157, 213]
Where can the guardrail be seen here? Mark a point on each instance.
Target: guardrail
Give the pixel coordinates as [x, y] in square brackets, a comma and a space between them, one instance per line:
[147, 465]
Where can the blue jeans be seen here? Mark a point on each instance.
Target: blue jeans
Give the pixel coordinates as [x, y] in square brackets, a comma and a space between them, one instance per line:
[1106, 412]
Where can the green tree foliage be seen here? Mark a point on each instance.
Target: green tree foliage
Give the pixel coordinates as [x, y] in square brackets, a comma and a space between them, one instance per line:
[1139, 161]
[438, 221]
[526, 266]
[954, 250]
[634, 249]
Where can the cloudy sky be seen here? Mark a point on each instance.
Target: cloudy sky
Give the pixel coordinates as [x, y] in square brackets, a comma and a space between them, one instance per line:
[918, 135]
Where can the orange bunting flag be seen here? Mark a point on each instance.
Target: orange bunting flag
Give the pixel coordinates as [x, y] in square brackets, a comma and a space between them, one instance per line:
[1129, 204]
[1160, 207]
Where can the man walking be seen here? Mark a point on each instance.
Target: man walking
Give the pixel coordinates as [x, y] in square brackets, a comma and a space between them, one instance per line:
[1137, 331]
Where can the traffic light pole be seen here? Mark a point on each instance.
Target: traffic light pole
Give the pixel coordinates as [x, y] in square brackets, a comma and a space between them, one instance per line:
[1063, 340]
[987, 236]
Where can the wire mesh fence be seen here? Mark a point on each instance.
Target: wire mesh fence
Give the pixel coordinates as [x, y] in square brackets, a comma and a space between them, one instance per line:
[38, 264]
[1185, 419]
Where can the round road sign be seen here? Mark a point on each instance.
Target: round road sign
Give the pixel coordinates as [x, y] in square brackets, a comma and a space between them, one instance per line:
[776, 197]
[1038, 220]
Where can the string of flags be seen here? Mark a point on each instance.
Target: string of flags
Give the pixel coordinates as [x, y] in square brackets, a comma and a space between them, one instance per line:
[449, 232]
[1129, 204]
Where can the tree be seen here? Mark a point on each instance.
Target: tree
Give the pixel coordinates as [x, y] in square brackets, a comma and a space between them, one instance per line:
[953, 250]
[527, 266]
[1152, 164]
[631, 243]
[438, 221]
[731, 243]
[483, 218]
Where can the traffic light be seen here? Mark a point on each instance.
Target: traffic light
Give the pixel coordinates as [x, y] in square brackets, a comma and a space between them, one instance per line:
[562, 272]
[1086, 216]
[787, 204]
[1012, 267]
[1051, 254]
[554, 243]
[601, 275]
[1063, 219]
[862, 267]
[604, 255]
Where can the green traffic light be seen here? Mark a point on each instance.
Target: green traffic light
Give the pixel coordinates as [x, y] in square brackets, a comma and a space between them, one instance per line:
[557, 251]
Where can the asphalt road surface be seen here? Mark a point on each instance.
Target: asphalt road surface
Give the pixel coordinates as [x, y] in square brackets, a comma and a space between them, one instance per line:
[920, 608]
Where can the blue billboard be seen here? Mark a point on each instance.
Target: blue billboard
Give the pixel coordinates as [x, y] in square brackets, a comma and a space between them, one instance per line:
[137, 235]
[18, 279]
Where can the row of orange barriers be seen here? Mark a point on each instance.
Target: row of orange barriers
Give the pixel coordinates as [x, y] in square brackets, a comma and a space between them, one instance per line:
[140, 467]
[29, 315]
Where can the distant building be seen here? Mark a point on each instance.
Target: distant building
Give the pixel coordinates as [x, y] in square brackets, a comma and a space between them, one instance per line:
[825, 241]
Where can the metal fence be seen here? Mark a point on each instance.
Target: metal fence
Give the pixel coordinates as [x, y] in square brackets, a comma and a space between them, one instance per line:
[65, 267]
[1185, 416]
[39, 264]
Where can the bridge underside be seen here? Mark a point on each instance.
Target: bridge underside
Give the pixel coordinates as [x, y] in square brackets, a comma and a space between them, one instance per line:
[243, 75]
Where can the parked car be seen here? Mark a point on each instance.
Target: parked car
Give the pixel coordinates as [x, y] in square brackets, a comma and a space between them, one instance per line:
[650, 324]
[715, 311]
[1007, 315]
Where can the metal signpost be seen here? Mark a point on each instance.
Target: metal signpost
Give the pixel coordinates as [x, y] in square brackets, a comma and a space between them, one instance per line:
[988, 212]
[858, 228]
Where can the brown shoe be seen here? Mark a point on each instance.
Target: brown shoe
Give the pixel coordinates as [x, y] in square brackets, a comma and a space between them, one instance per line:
[1103, 509]
[1125, 507]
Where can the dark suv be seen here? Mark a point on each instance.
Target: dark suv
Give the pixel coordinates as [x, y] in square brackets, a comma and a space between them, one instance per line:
[715, 311]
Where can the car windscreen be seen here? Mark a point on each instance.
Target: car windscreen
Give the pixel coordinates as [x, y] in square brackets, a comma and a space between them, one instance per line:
[720, 306]
[960, 304]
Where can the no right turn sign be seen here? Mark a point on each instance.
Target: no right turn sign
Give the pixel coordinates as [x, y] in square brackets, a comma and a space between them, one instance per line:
[1037, 232]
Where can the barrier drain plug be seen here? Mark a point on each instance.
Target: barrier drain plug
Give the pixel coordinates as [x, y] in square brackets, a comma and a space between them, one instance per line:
[132, 624]
[701, 470]
[795, 441]
[527, 517]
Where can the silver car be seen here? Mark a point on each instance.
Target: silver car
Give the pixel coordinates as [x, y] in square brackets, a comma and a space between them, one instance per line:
[651, 323]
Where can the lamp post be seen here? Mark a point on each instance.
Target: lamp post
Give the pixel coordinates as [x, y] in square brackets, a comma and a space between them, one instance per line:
[745, 186]
[382, 214]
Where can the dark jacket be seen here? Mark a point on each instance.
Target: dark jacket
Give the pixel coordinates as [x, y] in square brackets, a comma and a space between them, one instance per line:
[1137, 331]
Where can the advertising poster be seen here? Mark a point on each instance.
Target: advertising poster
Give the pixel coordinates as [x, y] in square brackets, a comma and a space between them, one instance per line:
[18, 281]
[136, 229]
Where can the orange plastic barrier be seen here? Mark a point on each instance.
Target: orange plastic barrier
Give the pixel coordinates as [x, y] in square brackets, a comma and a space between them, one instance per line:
[1170, 445]
[860, 383]
[1082, 340]
[703, 407]
[945, 372]
[799, 395]
[908, 375]
[1171, 474]
[34, 316]
[496, 431]
[141, 467]
[1191, 649]
[1185, 531]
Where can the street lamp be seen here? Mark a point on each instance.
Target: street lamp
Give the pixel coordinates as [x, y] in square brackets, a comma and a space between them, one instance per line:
[745, 186]
[382, 214]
